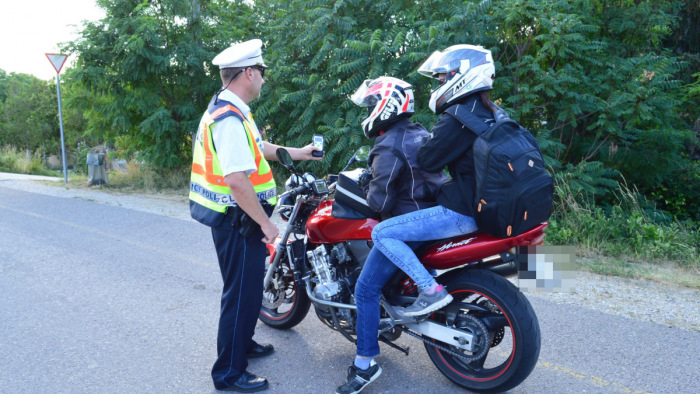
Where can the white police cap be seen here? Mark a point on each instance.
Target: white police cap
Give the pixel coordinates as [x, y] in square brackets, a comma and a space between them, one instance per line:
[242, 54]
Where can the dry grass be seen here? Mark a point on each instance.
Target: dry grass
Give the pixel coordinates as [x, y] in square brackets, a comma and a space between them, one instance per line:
[12, 160]
[140, 178]
[660, 272]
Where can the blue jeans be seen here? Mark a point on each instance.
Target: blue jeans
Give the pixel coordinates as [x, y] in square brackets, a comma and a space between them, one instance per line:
[375, 273]
[391, 235]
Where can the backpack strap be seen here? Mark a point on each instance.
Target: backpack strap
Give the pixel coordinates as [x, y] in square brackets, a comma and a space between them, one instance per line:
[474, 123]
[467, 119]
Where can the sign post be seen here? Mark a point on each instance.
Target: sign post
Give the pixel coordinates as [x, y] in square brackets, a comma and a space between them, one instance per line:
[57, 61]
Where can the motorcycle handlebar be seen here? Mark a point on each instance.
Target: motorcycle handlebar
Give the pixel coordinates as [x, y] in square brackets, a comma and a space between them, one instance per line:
[298, 190]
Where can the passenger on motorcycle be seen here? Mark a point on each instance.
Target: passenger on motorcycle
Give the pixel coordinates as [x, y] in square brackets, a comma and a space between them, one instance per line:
[466, 74]
[397, 186]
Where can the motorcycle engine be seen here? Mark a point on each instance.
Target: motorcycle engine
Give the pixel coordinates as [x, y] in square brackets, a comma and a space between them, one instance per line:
[328, 288]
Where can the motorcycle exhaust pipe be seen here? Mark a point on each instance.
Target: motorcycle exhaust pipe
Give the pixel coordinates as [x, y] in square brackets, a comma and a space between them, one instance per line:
[504, 264]
[316, 300]
[501, 268]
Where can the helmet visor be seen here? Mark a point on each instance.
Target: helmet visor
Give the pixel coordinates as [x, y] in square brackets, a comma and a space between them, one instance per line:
[365, 96]
[428, 67]
[453, 59]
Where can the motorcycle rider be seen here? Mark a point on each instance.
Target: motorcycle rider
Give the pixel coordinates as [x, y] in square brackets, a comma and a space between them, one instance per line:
[398, 186]
[466, 75]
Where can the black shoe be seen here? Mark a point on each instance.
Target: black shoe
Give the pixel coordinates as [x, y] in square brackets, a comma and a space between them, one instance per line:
[358, 378]
[257, 350]
[248, 383]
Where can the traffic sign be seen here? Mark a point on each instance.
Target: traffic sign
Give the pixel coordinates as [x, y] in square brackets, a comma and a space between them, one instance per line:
[57, 60]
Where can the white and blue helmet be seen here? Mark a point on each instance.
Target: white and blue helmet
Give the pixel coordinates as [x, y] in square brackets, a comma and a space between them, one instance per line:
[469, 69]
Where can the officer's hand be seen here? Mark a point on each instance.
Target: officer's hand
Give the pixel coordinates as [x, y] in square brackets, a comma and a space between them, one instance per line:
[306, 152]
[271, 232]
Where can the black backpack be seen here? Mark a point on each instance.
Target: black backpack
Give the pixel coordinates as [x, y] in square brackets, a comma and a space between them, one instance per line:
[513, 191]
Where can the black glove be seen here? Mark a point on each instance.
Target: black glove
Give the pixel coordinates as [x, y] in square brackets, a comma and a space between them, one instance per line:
[364, 180]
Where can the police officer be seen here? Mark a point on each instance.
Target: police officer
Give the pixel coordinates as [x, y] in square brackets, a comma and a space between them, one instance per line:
[233, 192]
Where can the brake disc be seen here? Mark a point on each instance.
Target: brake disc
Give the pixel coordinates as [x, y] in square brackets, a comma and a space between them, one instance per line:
[272, 299]
[498, 336]
[275, 297]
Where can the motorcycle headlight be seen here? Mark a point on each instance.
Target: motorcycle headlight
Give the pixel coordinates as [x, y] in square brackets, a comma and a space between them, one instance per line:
[286, 205]
[309, 177]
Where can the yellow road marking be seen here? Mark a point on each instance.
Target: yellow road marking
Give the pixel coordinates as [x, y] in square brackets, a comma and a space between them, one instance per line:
[594, 380]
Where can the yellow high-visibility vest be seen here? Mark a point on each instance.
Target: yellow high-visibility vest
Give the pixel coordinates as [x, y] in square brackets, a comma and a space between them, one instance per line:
[210, 196]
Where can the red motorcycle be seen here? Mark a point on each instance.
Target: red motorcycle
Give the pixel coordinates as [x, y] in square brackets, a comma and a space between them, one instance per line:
[487, 339]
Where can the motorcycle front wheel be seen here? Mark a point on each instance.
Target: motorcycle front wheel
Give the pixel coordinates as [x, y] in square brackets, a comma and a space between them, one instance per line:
[285, 305]
[510, 331]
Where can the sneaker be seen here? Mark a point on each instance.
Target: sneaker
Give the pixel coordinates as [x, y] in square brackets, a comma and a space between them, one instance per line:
[358, 378]
[426, 303]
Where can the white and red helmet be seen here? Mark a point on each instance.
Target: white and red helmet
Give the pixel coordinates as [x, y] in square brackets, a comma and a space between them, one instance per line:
[387, 99]
[468, 69]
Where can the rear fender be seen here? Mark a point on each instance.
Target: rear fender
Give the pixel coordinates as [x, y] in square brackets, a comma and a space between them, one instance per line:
[472, 248]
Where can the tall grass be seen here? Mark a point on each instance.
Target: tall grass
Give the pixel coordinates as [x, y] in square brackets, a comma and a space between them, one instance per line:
[630, 230]
[141, 177]
[12, 160]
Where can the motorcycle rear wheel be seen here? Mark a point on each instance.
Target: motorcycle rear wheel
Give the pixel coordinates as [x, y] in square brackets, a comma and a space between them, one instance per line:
[513, 333]
[289, 303]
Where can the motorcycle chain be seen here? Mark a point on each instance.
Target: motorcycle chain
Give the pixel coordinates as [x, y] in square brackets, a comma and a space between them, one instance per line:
[465, 358]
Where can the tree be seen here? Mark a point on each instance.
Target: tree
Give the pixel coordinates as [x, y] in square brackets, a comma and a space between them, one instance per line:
[145, 74]
[604, 85]
[320, 52]
[29, 113]
[3, 85]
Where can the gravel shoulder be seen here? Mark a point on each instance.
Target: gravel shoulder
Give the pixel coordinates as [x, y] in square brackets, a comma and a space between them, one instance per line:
[665, 304]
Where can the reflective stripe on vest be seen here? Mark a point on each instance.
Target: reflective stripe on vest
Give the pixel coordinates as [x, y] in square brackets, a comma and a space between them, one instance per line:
[207, 186]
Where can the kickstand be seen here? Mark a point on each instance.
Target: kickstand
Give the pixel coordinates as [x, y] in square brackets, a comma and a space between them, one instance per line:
[395, 346]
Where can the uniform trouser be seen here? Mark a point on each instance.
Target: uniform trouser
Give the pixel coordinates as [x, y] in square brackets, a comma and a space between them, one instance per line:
[242, 264]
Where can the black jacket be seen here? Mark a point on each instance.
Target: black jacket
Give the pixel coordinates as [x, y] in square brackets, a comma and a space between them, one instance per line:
[398, 185]
[451, 145]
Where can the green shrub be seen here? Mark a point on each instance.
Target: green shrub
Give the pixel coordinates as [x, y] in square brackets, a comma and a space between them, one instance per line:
[631, 228]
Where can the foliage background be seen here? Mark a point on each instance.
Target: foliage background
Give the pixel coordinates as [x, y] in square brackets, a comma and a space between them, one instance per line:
[611, 89]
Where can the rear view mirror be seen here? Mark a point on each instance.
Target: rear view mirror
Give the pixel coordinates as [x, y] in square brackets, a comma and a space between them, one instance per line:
[362, 153]
[285, 158]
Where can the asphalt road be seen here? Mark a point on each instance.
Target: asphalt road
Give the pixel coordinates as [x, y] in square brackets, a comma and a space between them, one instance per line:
[98, 298]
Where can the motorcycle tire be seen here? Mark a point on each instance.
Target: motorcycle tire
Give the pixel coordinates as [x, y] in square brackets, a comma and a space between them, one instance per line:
[513, 333]
[292, 309]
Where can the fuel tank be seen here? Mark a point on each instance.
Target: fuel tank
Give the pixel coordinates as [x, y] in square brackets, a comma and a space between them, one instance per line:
[453, 252]
[323, 228]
